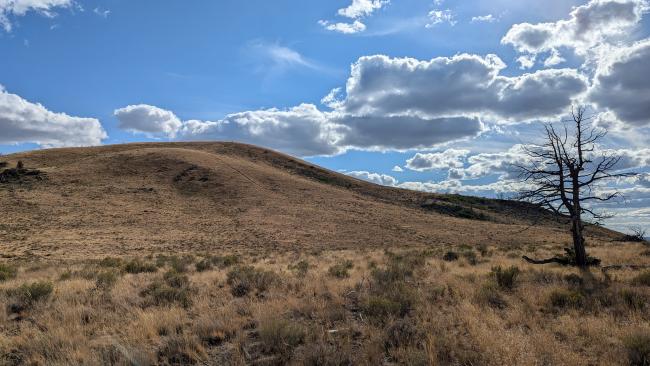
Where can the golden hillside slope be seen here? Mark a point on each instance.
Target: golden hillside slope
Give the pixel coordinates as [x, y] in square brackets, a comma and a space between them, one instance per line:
[157, 197]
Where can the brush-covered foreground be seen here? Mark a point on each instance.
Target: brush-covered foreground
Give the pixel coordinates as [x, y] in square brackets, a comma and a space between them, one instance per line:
[477, 306]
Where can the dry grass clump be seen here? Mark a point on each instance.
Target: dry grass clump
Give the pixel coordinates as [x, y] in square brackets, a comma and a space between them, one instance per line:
[7, 272]
[642, 279]
[406, 308]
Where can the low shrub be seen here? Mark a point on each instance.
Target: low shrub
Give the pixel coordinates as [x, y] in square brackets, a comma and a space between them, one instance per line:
[505, 278]
[7, 272]
[489, 295]
[471, 257]
[173, 289]
[203, 265]
[280, 336]
[642, 279]
[135, 266]
[563, 299]
[106, 279]
[181, 349]
[450, 256]
[638, 348]
[301, 268]
[243, 279]
[32, 293]
[111, 262]
[633, 299]
[341, 269]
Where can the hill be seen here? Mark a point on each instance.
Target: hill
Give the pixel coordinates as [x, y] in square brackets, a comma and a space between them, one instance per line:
[230, 254]
[185, 197]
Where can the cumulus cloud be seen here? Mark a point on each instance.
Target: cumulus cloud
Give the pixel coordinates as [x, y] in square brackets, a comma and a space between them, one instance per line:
[148, 119]
[588, 25]
[397, 169]
[361, 8]
[16, 8]
[622, 84]
[460, 86]
[355, 11]
[447, 159]
[390, 104]
[403, 132]
[22, 121]
[381, 179]
[303, 130]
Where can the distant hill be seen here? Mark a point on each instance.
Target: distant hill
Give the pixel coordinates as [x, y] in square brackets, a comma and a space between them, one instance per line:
[218, 196]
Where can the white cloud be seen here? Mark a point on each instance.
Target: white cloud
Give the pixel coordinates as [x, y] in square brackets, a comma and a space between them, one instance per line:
[622, 84]
[488, 18]
[301, 130]
[355, 11]
[597, 22]
[147, 119]
[447, 159]
[553, 59]
[381, 179]
[526, 61]
[441, 16]
[464, 85]
[395, 104]
[345, 28]
[16, 8]
[361, 8]
[397, 169]
[22, 121]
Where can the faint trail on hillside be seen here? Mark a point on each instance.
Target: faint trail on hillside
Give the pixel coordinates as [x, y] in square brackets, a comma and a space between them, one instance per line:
[239, 171]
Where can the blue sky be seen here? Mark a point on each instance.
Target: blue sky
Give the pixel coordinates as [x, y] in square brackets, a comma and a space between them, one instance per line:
[452, 81]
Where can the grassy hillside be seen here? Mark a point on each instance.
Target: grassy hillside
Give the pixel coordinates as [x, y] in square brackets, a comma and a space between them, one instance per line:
[230, 254]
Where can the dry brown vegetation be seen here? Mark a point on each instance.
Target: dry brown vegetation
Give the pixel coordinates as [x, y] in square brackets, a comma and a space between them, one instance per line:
[392, 307]
[228, 254]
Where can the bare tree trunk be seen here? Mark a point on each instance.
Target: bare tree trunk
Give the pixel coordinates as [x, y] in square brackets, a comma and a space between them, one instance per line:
[578, 242]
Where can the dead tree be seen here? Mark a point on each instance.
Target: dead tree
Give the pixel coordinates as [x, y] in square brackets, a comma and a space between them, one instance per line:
[563, 175]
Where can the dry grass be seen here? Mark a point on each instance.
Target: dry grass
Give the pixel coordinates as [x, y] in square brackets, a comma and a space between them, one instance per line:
[401, 307]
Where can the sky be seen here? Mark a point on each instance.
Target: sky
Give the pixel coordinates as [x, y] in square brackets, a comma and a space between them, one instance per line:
[434, 95]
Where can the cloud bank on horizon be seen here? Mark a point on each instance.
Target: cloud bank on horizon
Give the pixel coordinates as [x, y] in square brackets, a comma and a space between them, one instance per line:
[442, 110]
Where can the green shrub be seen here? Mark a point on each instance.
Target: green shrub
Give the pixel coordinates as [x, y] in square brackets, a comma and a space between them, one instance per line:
[642, 279]
[243, 279]
[638, 349]
[381, 307]
[563, 299]
[450, 256]
[137, 266]
[398, 300]
[203, 265]
[301, 268]
[29, 294]
[7, 272]
[341, 269]
[505, 278]
[174, 289]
